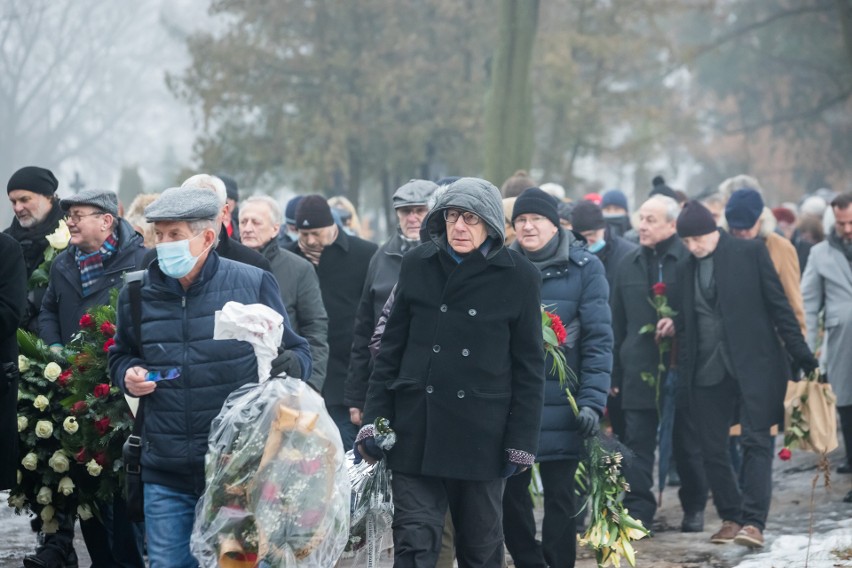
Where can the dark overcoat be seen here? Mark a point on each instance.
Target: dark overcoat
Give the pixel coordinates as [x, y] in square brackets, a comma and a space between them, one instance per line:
[342, 270]
[13, 302]
[382, 275]
[460, 374]
[64, 303]
[754, 312]
[631, 309]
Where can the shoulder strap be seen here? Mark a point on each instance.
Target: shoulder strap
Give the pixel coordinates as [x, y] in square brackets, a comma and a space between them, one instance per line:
[134, 280]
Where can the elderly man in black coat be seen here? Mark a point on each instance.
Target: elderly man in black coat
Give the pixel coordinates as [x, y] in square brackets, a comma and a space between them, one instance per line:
[460, 377]
[341, 262]
[636, 354]
[731, 312]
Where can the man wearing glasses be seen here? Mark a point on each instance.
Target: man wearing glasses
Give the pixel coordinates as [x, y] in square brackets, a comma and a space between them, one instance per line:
[460, 377]
[102, 248]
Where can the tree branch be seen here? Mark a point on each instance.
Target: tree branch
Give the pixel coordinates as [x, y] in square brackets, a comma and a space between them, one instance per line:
[791, 117]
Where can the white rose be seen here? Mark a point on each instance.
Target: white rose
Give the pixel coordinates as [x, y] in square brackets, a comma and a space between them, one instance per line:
[17, 501]
[66, 486]
[59, 238]
[94, 468]
[44, 429]
[41, 402]
[23, 422]
[70, 425]
[52, 371]
[50, 527]
[44, 496]
[59, 462]
[23, 364]
[30, 461]
[85, 512]
[47, 513]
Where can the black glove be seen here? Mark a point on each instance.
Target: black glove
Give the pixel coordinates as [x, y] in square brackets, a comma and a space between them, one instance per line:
[808, 364]
[286, 363]
[588, 422]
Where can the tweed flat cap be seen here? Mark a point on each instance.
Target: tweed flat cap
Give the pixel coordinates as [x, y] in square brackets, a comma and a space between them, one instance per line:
[415, 192]
[103, 199]
[183, 204]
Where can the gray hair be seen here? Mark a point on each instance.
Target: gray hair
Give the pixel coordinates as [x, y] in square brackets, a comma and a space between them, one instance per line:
[198, 225]
[713, 199]
[742, 181]
[206, 181]
[670, 205]
[275, 214]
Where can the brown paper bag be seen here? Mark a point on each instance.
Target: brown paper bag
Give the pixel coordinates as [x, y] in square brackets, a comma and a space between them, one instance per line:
[816, 403]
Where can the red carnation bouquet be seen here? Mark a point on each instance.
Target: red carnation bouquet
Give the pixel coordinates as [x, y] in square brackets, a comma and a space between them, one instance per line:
[99, 409]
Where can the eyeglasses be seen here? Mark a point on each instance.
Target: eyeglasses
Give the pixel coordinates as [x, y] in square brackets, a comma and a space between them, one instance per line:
[531, 219]
[75, 218]
[452, 215]
[156, 376]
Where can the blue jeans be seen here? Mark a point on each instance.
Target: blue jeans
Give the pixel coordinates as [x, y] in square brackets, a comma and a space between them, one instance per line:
[169, 516]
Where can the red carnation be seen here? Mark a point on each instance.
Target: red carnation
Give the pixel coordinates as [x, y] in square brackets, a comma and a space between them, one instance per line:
[102, 425]
[558, 328]
[79, 407]
[100, 458]
[659, 289]
[64, 378]
[108, 343]
[101, 390]
[107, 329]
[87, 321]
[785, 454]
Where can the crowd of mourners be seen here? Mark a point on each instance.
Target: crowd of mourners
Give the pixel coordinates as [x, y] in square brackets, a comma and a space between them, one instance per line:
[439, 331]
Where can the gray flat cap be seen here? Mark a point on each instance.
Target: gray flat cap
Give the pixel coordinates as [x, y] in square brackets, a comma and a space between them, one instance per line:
[415, 192]
[183, 204]
[103, 199]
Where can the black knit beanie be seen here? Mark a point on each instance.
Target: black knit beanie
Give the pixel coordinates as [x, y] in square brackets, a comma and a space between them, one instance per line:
[313, 212]
[587, 217]
[35, 179]
[538, 202]
[695, 220]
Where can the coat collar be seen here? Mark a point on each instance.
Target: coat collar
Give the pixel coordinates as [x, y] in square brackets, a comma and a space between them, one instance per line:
[501, 258]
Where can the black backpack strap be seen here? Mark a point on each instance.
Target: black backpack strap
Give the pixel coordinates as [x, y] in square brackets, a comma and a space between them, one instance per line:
[133, 281]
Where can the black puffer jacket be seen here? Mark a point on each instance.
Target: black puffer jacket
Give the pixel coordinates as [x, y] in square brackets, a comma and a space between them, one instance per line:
[64, 303]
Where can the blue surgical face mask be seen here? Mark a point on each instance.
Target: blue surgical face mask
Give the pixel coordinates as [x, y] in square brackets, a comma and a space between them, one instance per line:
[175, 258]
[597, 247]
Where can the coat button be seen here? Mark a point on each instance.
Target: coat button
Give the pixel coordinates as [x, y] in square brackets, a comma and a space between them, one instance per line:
[443, 307]
[465, 352]
[460, 394]
[429, 389]
[436, 348]
[471, 312]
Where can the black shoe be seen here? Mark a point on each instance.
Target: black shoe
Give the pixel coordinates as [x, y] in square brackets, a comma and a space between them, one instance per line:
[51, 557]
[845, 468]
[692, 522]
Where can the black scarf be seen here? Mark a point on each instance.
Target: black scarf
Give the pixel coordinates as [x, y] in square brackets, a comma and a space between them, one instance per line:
[32, 240]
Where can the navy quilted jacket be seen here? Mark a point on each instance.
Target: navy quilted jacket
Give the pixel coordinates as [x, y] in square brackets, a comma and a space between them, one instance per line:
[574, 286]
[177, 332]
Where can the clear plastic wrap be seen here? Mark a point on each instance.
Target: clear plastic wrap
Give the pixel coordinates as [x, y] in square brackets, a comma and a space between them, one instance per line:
[277, 489]
[371, 513]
